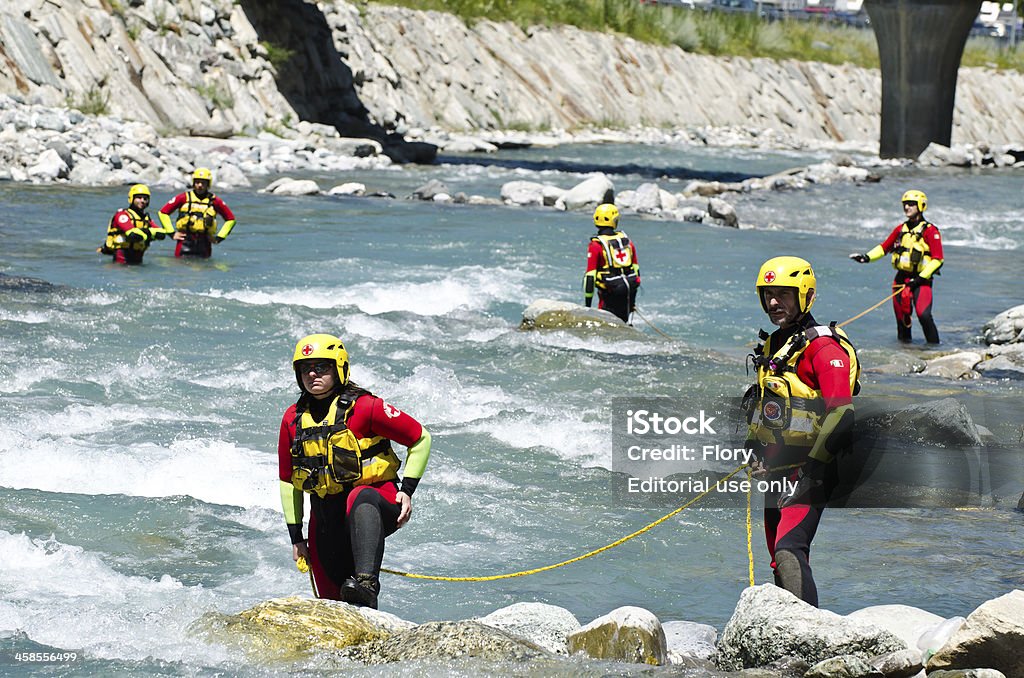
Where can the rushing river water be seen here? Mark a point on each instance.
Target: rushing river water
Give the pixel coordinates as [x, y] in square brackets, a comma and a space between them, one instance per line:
[139, 406]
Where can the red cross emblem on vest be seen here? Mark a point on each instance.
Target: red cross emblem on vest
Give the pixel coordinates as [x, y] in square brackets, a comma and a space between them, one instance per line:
[621, 255]
[307, 349]
[769, 277]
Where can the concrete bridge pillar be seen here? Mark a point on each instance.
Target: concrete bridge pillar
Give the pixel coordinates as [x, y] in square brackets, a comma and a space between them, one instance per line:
[920, 43]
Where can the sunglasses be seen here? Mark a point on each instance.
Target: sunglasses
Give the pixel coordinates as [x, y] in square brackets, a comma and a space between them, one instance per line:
[317, 368]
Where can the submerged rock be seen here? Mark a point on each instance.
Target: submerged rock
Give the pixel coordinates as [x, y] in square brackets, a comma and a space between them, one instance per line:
[959, 365]
[548, 314]
[24, 284]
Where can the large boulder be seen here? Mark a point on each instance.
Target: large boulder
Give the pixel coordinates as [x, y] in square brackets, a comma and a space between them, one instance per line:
[529, 193]
[992, 637]
[630, 634]
[284, 629]
[770, 623]
[1006, 327]
[959, 365]
[903, 621]
[944, 423]
[1007, 362]
[690, 640]
[544, 625]
[548, 314]
[591, 191]
[447, 640]
[723, 212]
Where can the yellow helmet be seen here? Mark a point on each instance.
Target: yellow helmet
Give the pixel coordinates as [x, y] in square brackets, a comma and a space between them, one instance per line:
[788, 272]
[325, 346]
[607, 215]
[916, 196]
[202, 173]
[138, 189]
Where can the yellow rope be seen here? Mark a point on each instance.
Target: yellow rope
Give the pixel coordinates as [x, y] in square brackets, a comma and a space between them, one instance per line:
[653, 326]
[896, 290]
[750, 548]
[523, 573]
[623, 540]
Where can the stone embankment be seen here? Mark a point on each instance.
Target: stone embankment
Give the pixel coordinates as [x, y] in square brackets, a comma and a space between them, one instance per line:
[771, 634]
[230, 68]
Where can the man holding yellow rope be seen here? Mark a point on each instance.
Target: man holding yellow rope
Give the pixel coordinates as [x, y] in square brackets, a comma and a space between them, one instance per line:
[801, 416]
[916, 249]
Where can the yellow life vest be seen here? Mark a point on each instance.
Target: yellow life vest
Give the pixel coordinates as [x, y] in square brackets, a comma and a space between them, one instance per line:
[197, 215]
[786, 410]
[618, 257]
[912, 250]
[327, 458]
[117, 239]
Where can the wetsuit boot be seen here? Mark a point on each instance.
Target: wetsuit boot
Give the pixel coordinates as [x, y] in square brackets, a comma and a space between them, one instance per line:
[794, 574]
[361, 590]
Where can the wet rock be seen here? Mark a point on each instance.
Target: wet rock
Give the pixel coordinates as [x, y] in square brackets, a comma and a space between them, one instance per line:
[1009, 365]
[348, 188]
[548, 314]
[430, 190]
[24, 284]
[543, 625]
[294, 187]
[938, 155]
[770, 623]
[992, 637]
[446, 640]
[630, 634]
[902, 664]
[845, 666]
[942, 423]
[903, 621]
[523, 193]
[723, 212]
[686, 639]
[959, 365]
[1006, 327]
[647, 198]
[967, 673]
[290, 628]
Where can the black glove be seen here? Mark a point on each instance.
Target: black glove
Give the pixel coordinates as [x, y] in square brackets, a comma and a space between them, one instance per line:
[913, 282]
[809, 478]
[860, 258]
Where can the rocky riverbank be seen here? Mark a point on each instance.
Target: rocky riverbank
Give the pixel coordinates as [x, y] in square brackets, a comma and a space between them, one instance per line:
[771, 634]
[289, 82]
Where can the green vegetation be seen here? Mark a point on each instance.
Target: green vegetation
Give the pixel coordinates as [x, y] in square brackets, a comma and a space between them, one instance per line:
[216, 95]
[94, 102]
[277, 55]
[714, 33]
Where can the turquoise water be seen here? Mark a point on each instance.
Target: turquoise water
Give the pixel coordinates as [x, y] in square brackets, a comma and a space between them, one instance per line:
[139, 407]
